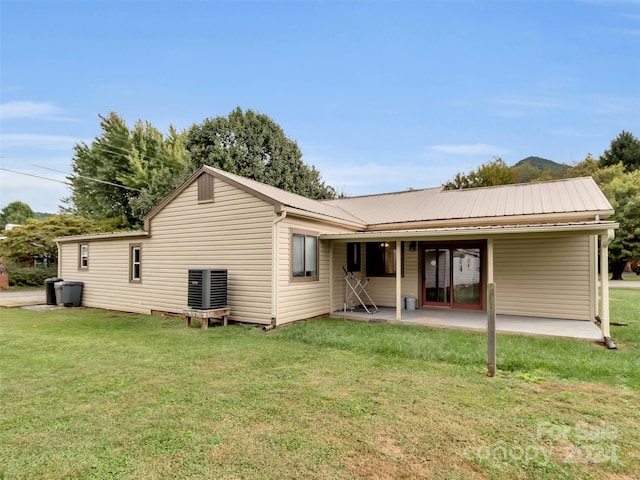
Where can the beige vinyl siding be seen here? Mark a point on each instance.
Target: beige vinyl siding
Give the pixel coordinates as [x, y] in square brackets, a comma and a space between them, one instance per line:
[383, 289]
[106, 281]
[301, 300]
[549, 276]
[232, 232]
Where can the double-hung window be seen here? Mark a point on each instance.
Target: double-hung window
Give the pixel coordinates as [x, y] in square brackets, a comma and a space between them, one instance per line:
[83, 261]
[304, 256]
[135, 263]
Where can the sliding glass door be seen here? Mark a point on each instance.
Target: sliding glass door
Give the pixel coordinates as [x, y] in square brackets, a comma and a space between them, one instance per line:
[452, 275]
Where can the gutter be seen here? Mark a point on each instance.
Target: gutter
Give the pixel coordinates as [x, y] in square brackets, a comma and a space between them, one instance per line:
[584, 227]
[274, 269]
[102, 236]
[326, 218]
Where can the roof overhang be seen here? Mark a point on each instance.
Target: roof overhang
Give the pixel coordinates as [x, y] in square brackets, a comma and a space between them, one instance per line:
[586, 228]
[102, 236]
[325, 218]
[541, 218]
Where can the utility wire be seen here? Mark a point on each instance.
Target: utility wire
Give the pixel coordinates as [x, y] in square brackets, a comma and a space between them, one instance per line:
[36, 176]
[86, 178]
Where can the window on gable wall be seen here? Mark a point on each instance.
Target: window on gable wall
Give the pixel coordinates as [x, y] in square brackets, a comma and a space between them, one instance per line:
[304, 256]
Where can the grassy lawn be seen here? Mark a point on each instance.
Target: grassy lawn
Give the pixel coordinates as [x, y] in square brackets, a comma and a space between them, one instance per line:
[95, 394]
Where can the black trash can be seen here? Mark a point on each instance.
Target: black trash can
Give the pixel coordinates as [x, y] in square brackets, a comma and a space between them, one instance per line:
[71, 293]
[50, 291]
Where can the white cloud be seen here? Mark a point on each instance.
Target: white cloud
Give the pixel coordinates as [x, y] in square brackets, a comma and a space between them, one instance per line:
[31, 140]
[40, 194]
[28, 109]
[529, 103]
[468, 149]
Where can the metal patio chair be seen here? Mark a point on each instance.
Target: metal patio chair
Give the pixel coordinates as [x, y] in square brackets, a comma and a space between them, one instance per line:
[356, 288]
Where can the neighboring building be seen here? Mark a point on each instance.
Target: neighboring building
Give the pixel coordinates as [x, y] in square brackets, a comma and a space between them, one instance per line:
[285, 253]
[7, 227]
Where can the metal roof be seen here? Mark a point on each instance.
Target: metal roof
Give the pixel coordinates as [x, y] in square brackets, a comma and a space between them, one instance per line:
[287, 199]
[575, 195]
[579, 197]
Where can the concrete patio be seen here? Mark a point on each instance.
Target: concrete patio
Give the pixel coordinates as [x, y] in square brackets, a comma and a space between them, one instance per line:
[477, 321]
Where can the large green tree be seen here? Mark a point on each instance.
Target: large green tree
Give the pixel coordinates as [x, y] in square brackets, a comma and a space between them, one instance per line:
[36, 237]
[624, 149]
[15, 212]
[617, 173]
[488, 174]
[125, 172]
[254, 146]
[623, 191]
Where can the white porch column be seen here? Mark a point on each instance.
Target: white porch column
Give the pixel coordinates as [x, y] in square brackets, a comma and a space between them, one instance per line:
[605, 239]
[398, 280]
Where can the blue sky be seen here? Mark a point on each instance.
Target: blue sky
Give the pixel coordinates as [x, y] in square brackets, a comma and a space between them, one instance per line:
[380, 95]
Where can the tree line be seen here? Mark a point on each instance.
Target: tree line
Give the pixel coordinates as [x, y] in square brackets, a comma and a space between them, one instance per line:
[125, 172]
[617, 173]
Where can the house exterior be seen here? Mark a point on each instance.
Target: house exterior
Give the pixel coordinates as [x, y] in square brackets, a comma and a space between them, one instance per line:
[286, 255]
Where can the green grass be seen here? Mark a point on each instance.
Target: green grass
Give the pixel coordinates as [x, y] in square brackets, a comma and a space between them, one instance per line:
[95, 394]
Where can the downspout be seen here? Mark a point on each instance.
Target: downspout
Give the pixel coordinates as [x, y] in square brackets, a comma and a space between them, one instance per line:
[605, 240]
[274, 270]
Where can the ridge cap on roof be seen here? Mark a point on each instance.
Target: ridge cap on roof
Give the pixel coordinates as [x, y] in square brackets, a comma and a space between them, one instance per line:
[520, 184]
[399, 192]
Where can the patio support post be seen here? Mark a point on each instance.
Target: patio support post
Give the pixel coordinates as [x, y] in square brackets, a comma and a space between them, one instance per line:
[398, 281]
[491, 312]
[489, 260]
[605, 239]
[491, 330]
[331, 305]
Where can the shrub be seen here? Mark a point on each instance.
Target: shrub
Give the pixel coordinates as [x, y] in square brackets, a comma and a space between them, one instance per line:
[30, 276]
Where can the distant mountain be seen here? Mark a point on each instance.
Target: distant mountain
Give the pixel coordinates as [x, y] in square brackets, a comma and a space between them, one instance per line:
[542, 164]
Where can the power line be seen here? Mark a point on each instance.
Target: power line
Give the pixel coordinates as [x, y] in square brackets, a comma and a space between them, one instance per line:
[36, 176]
[86, 178]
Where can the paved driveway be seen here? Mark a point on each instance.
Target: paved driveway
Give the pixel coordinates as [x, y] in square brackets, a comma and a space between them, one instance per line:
[22, 298]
